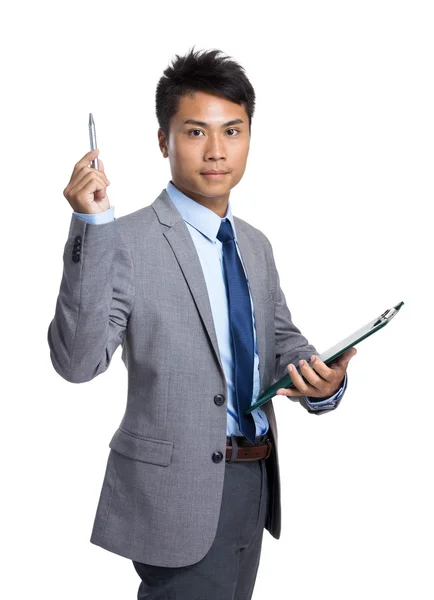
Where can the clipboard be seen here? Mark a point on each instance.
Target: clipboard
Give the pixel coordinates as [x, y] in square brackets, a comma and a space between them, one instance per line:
[332, 353]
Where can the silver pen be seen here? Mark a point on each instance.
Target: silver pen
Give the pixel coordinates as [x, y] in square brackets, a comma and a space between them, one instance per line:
[92, 136]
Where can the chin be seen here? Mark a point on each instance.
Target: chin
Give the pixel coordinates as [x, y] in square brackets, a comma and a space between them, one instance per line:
[216, 191]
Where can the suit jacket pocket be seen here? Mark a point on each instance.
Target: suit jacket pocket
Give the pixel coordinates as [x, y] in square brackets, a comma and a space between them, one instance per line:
[157, 452]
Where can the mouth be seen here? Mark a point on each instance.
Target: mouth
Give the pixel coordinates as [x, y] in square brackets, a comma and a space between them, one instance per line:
[214, 175]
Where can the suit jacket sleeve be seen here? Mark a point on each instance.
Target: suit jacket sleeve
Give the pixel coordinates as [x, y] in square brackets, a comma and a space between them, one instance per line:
[292, 346]
[94, 302]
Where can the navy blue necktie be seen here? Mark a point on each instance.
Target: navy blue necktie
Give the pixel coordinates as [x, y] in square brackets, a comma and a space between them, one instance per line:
[241, 325]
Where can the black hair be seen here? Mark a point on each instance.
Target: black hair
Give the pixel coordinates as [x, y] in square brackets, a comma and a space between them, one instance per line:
[202, 72]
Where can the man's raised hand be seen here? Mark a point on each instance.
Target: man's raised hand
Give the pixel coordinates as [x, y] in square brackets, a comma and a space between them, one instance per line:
[86, 191]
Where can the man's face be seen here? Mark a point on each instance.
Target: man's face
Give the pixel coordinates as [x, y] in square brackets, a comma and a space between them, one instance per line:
[217, 137]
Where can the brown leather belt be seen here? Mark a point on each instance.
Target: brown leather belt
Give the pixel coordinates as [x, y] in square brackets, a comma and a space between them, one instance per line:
[247, 451]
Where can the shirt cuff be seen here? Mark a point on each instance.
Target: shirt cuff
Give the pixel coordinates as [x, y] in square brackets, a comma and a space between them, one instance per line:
[97, 219]
[331, 402]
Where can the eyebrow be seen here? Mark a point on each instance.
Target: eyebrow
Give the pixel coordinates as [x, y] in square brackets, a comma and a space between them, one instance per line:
[203, 124]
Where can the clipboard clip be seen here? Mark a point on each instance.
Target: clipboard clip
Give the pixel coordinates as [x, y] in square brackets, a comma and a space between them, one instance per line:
[388, 314]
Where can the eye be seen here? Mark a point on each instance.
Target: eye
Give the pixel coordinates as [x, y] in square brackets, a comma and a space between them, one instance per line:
[190, 130]
[232, 129]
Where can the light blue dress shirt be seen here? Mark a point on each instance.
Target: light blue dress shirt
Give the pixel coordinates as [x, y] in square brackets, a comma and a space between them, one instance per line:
[203, 225]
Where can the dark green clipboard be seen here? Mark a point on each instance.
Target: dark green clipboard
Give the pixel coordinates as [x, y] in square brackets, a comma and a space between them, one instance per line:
[332, 353]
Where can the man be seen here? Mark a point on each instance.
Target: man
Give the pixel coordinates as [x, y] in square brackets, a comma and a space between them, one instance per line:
[192, 293]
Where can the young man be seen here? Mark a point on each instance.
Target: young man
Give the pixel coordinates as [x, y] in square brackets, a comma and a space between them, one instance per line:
[192, 293]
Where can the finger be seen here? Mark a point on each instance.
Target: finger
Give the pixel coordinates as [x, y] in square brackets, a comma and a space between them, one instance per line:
[289, 392]
[90, 180]
[312, 377]
[100, 194]
[320, 367]
[343, 360]
[102, 170]
[301, 388]
[85, 160]
[87, 174]
[351, 352]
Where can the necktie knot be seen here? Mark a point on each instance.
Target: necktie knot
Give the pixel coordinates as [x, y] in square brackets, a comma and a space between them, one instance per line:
[225, 233]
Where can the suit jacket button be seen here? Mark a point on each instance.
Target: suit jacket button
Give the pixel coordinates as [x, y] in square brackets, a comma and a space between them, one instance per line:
[219, 399]
[75, 258]
[217, 457]
[77, 238]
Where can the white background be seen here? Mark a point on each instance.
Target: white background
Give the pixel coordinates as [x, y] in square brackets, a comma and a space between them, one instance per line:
[339, 178]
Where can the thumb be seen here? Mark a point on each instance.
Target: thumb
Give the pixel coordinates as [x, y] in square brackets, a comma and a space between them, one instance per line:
[342, 361]
[100, 165]
[348, 355]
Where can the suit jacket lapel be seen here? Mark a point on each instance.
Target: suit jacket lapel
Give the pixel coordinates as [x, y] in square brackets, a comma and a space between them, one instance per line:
[185, 252]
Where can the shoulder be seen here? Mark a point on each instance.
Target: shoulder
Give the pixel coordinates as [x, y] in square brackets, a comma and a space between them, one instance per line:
[140, 219]
[254, 234]
[138, 216]
[133, 228]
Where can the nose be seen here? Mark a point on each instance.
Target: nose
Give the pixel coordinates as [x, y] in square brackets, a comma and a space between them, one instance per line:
[215, 149]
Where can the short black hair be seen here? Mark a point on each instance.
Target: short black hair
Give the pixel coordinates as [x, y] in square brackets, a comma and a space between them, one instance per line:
[202, 71]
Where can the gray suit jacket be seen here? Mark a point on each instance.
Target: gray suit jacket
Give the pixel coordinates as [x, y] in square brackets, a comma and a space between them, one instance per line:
[138, 281]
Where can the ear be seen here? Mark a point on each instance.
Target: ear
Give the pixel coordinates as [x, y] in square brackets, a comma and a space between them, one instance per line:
[162, 142]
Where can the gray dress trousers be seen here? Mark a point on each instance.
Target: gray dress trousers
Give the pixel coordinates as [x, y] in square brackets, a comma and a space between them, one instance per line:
[228, 570]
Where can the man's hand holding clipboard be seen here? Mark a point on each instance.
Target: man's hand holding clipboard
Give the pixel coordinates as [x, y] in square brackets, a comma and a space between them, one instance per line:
[322, 381]
[324, 375]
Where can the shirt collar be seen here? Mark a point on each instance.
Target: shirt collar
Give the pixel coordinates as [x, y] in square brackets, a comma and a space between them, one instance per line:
[198, 216]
